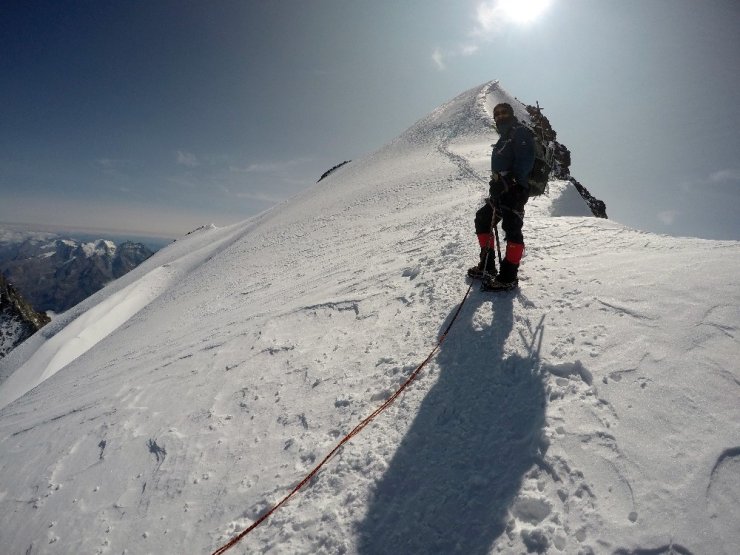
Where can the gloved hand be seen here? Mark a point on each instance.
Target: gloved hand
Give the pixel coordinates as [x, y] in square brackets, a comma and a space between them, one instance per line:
[497, 186]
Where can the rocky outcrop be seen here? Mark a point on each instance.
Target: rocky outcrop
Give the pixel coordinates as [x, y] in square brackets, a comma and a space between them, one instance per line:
[18, 319]
[55, 274]
[327, 172]
[562, 160]
[598, 207]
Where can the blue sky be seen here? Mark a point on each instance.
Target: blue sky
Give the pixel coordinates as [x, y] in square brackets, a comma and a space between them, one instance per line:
[156, 117]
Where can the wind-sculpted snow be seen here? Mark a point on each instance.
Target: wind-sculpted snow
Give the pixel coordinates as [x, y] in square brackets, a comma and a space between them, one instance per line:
[93, 325]
[592, 411]
[723, 495]
[85, 332]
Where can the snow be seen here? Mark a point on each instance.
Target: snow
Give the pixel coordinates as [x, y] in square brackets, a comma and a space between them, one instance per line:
[10, 332]
[568, 202]
[95, 324]
[592, 411]
[100, 247]
[82, 334]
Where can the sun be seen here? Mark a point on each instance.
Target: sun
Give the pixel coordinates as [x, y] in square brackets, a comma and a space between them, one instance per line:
[522, 11]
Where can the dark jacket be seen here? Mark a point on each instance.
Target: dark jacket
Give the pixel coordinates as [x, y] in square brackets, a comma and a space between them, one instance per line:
[513, 154]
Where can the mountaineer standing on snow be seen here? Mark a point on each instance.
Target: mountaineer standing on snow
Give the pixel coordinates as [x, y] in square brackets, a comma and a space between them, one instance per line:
[511, 163]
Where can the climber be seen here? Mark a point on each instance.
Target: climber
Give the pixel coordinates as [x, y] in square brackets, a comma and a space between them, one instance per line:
[511, 163]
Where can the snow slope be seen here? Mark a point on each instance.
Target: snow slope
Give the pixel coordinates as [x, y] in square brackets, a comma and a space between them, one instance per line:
[593, 411]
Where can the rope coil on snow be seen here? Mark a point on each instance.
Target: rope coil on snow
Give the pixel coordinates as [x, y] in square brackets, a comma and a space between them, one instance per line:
[356, 430]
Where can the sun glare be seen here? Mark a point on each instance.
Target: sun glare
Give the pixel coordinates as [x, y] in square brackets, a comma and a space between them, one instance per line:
[522, 11]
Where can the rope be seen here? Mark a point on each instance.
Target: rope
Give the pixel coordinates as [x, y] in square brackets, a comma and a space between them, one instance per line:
[357, 429]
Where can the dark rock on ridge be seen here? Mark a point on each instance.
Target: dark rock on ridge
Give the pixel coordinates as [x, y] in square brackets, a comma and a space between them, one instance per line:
[561, 168]
[18, 319]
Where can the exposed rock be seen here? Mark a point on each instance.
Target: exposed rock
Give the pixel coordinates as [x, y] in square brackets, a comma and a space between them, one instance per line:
[562, 160]
[327, 172]
[18, 319]
[598, 207]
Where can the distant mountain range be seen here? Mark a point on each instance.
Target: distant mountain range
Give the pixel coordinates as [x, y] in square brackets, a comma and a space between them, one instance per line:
[44, 272]
[54, 273]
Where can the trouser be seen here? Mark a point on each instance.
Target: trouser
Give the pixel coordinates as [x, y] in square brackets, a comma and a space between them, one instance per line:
[511, 215]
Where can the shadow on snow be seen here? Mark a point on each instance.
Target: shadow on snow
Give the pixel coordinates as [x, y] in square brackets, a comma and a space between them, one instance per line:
[477, 433]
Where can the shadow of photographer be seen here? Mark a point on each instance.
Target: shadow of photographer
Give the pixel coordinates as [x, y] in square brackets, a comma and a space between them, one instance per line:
[477, 433]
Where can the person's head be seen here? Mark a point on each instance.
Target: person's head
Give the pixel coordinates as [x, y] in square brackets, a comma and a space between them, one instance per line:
[503, 113]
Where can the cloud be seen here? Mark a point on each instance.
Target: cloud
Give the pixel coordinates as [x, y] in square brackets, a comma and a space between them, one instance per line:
[491, 18]
[722, 176]
[260, 197]
[184, 182]
[117, 168]
[725, 182]
[268, 182]
[469, 49]
[111, 164]
[438, 59]
[270, 167]
[187, 159]
[668, 217]
[493, 15]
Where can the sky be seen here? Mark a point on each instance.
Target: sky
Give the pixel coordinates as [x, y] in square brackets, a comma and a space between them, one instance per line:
[158, 117]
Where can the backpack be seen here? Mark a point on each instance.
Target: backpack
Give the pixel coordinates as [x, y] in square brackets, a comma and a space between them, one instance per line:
[544, 154]
[543, 162]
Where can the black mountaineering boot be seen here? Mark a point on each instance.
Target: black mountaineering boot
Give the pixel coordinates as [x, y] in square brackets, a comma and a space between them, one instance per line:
[506, 279]
[486, 267]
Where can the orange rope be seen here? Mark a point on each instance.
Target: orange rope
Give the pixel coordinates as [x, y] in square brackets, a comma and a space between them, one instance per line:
[357, 429]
